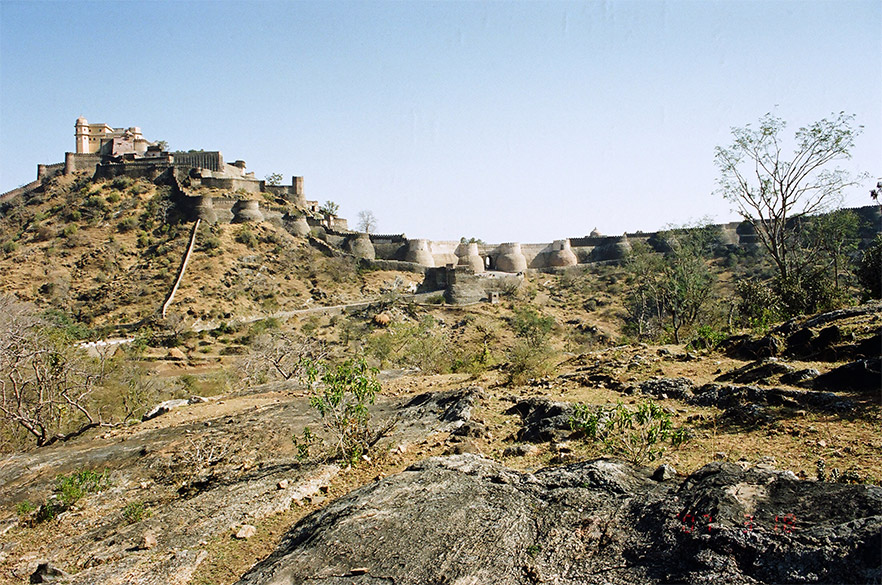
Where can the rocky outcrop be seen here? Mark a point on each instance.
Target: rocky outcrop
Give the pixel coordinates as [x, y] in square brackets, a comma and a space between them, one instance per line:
[542, 419]
[468, 520]
[845, 334]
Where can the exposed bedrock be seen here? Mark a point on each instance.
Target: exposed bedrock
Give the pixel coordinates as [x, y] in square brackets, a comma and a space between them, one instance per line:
[468, 520]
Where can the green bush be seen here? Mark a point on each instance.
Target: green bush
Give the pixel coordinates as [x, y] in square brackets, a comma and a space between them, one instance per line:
[247, 237]
[95, 202]
[135, 512]
[113, 197]
[706, 337]
[127, 224]
[121, 183]
[527, 361]
[24, 508]
[139, 189]
[69, 230]
[341, 396]
[637, 435]
[71, 488]
[758, 305]
[528, 324]
[869, 269]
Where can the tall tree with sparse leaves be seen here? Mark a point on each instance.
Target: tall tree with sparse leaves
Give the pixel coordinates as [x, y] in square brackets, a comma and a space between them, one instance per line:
[770, 189]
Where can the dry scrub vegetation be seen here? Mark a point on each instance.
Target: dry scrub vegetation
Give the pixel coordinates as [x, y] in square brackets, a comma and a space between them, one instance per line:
[91, 260]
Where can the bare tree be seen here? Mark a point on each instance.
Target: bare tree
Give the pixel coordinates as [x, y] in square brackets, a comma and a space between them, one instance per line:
[770, 190]
[281, 355]
[45, 381]
[367, 221]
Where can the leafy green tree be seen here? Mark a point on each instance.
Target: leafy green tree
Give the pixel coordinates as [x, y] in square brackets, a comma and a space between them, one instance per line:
[869, 269]
[677, 284]
[645, 301]
[769, 189]
[274, 179]
[329, 208]
[832, 238]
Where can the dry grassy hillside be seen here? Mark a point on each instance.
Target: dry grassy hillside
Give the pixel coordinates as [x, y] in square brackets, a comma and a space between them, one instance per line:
[107, 253]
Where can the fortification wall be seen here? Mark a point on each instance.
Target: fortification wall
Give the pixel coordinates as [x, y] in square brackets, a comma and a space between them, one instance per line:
[139, 168]
[79, 162]
[232, 184]
[288, 193]
[21, 190]
[211, 160]
[49, 171]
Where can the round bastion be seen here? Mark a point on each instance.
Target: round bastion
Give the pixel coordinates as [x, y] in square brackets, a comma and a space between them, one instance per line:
[469, 256]
[205, 209]
[418, 253]
[511, 258]
[361, 247]
[249, 211]
[299, 227]
[562, 254]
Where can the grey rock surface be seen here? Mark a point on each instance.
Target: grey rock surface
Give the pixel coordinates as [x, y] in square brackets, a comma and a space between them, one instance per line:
[542, 419]
[468, 520]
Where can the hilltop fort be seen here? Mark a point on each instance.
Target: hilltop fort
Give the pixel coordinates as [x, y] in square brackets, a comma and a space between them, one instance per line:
[208, 188]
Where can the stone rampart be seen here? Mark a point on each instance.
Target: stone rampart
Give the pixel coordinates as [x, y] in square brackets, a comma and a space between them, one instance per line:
[211, 160]
[80, 162]
[49, 171]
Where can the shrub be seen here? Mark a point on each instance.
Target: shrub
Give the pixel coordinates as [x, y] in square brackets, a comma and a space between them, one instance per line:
[127, 224]
[341, 396]
[72, 488]
[637, 435]
[95, 202]
[706, 337]
[24, 508]
[758, 305]
[9, 247]
[121, 183]
[247, 237]
[69, 230]
[527, 361]
[134, 512]
[869, 269]
[138, 189]
[113, 197]
[144, 240]
[528, 324]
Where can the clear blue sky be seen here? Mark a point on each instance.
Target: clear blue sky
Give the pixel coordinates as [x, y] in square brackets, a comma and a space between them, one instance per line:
[504, 121]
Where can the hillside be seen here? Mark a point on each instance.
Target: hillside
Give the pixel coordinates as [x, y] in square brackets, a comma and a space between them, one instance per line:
[107, 253]
[490, 452]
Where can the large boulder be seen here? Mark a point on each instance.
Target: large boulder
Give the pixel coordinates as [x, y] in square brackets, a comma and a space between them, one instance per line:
[468, 520]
